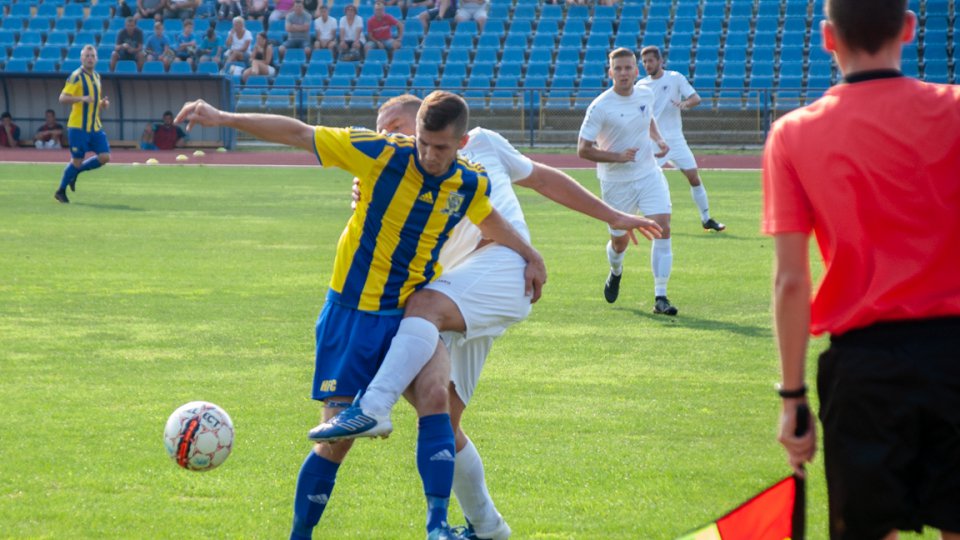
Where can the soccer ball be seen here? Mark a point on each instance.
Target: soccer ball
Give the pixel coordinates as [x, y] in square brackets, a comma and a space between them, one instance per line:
[198, 436]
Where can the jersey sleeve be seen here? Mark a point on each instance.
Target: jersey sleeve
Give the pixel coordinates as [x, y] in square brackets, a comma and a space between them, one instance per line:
[786, 206]
[353, 150]
[517, 165]
[592, 122]
[686, 89]
[480, 206]
[73, 86]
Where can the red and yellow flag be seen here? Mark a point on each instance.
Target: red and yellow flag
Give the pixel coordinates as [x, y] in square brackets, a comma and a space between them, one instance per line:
[776, 513]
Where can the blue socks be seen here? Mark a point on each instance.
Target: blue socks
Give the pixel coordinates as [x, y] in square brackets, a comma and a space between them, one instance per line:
[436, 452]
[314, 485]
[70, 172]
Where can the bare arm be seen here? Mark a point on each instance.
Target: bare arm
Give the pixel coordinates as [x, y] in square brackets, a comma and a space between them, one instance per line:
[560, 188]
[791, 311]
[70, 99]
[267, 127]
[690, 102]
[588, 150]
[658, 139]
[495, 228]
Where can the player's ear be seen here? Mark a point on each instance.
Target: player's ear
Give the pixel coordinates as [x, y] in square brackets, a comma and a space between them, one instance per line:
[828, 36]
[464, 140]
[909, 27]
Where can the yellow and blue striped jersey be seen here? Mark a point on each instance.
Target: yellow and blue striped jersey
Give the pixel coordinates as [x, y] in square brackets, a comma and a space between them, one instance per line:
[85, 116]
[390, 246]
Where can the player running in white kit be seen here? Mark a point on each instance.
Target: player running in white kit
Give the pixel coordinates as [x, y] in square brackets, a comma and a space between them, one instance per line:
[479, 294]
[672, 94]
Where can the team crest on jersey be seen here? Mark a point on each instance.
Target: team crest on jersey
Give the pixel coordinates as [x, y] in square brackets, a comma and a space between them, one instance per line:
[643, 108]
[454, 202]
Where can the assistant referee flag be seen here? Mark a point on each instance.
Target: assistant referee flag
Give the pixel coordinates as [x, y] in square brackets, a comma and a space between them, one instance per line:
[776, 513]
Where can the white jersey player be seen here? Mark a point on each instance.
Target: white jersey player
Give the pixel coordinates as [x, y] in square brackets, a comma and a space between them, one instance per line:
[620, 134]
[479, 294]
[673, 94]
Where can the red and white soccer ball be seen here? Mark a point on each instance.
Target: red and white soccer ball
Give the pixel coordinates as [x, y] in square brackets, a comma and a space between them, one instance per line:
[198, 436]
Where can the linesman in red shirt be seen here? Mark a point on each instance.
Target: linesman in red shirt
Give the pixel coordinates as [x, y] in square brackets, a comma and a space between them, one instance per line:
[872, 169]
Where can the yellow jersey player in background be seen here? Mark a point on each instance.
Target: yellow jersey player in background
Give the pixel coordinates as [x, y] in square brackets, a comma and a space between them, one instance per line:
[84, 128]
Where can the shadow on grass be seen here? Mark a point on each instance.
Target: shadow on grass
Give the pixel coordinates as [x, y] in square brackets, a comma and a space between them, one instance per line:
[118, 207]
[687, 321]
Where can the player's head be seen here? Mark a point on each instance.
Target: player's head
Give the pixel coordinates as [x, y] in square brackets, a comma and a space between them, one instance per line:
[441, 130]
[88, 57]
[652, 60]
[399, 115]
[866, 26]
[623, 69]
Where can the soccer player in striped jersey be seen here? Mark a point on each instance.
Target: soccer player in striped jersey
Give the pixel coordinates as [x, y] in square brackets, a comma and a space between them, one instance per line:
[415, 191]
[84, 128]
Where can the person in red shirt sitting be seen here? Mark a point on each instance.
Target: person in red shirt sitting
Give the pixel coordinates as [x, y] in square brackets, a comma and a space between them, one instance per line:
[163, 136]
[9, 132]
[380, 30]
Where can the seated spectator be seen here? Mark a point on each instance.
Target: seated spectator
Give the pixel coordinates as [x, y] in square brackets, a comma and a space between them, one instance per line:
[51, 134]
[210, 49]
[129, 44]
[442, 9]
[9, 132]
[158, 46]
[325, 28]
[351, 34]
[472, 10]
[261, 59]
[123, 9]
[280, 10]
[228, 9]
[163, 136]
[180, 9]
[258, 10]
[239, 41]
[405, 5]
[311, 6]
[298, 30]
[187, 44]
[149, 9]
[380, 30]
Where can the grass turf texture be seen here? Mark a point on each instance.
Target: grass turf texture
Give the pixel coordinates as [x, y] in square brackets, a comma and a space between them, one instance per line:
[162, 285]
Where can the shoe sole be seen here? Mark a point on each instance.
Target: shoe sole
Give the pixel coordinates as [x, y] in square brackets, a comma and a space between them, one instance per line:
[350, 437]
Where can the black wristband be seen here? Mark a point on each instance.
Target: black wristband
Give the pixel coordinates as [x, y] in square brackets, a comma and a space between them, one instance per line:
[795, 393]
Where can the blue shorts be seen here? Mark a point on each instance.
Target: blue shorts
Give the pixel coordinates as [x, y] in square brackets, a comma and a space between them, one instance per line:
[82, 141]
[351, 345]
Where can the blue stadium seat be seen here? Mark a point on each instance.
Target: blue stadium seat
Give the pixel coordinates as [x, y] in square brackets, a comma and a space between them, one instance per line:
[423, 82]
[45, 66]
[250, 98]
[21, 10]
[476, 99]
[40, 24]
[434, 41]
[152, 67]
[525, 12]
[17, 65]
[345, 69]
[399, 81]
[58, 39]
[295, 55]
[431, 56]
[50, 52]
[130, 66]
[576, 27]
[335, 98]
[510, 70]
[290, 69]
[563, 81]
[321, 56]
[451, 82]
[103, 65]
[364, 98]
[23, 52]
[441, 27]
[181, 68]
[279, 98]
[208, 68]
[101, 11]
[482, 70]
[340, 81]
[478, 81]
[466, 28]
[31, 37]
[578, 12]
[503, 100]
[13, 23]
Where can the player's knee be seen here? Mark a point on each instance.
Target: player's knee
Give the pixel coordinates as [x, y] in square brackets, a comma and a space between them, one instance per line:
[335, 452]
[104, 158]
[432, 399]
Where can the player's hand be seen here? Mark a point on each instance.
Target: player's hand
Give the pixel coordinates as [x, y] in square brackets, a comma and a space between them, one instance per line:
[800, 449]
[628, 155]
[682, 105]
[664, 149]
[355, 193]
[105, 102]
[628, 222]
[535, 277]
[199, 112]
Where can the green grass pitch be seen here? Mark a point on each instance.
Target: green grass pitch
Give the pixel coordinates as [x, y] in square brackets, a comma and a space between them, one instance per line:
[161, 285]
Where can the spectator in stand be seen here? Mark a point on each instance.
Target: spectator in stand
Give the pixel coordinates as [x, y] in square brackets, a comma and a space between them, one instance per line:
[280, 10]
[325, 28]
[187, 44]
[210, 48]
[261, 59]
[9, 132]
[180, 9]
[239, 41]
[440, 9]
[129, 44]
[473, 10]
[405, 5]
[351, 34]
[228, 9]
[257, 10]
[298, 30]
[158, 46]
[163, 136]
[380, 30]
[149, 9]
[311, 6]
[51, 134]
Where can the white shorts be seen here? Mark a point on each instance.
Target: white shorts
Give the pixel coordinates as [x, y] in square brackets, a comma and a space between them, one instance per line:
[472, 11]
[488, 288]
[649, 195]
[679, 156]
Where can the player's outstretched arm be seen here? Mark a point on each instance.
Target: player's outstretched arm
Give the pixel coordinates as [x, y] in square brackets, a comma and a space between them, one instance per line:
[495, 228]
[266, 127]
[562, 189]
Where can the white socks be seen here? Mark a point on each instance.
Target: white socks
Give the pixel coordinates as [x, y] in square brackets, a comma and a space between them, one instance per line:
[616, 259]
[470, 487]
[661, 259]
[699, 194]
[410, 350]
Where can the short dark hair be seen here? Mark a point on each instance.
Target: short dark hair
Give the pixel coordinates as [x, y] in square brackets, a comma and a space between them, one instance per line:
[168, 113]
[441, 109]
[50, 111]
[620, 52]
[650, 49]
[866, 25]
[6, 114]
